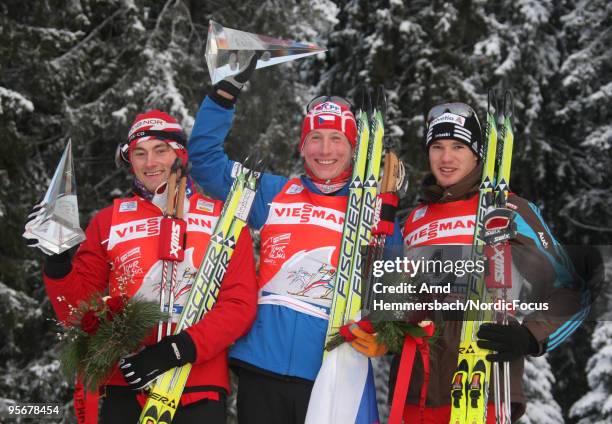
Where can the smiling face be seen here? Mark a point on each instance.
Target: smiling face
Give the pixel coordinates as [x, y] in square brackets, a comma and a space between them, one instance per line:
[152, 161]
[327, 153]
[450, 161]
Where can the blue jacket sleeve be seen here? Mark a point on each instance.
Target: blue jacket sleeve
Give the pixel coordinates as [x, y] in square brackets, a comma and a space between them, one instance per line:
[214, 171]
[546, 263]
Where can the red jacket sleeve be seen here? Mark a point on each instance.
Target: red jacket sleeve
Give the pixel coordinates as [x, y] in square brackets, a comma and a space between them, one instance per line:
[235, 309]
[90, 268]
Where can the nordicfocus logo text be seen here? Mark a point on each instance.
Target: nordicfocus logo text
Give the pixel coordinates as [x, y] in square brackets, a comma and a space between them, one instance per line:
[457, 226]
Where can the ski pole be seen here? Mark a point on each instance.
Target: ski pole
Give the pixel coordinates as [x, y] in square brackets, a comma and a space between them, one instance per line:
[170, 190]
[180, 206]
[508, 146]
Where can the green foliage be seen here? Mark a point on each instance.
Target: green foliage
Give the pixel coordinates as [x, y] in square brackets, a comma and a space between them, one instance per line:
[93, 355]
[392, 334]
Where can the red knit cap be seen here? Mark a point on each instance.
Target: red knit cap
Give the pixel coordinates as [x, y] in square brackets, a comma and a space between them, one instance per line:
[155, 125]
[333, 116]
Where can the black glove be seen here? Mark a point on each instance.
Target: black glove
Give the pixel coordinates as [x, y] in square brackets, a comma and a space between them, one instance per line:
[145, 366]
[58, 266]
[509, 341]
[233, 84]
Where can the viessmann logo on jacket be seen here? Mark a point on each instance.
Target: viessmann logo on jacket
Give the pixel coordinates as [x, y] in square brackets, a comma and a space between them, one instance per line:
[149, 227]
[305, 213]
[442, 228]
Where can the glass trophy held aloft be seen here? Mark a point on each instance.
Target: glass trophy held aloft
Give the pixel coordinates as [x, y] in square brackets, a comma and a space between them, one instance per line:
[56, 224]
[230, 50]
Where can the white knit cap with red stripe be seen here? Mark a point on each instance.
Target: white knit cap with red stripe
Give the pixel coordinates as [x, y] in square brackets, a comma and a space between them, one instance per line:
[158, 122]
[330, 115]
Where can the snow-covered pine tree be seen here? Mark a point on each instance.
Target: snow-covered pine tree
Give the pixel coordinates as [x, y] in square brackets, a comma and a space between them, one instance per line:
[538, 381]
[428, 52]
[595, 407]
[83, 69]
[581, 141]
[582, 121]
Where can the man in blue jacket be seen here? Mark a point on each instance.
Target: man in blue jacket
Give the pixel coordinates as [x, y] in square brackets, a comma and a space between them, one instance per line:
[301, 225]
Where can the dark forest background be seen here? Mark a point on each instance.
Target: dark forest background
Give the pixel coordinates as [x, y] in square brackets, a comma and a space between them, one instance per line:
[82, 69]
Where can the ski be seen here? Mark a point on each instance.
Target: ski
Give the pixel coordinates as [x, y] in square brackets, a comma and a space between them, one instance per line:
[165, 394]
[500, 253]
[366, 214]
[359, 218]
[470, 381]
[348, 243]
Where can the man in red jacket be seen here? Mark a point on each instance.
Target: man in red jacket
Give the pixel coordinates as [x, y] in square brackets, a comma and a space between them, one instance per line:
[120, 257]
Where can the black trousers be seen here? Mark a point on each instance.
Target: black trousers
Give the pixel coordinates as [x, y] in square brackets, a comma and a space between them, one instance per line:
[271, 400]
[120, 406]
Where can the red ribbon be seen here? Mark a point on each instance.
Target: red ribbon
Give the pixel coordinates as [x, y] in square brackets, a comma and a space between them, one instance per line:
[411, 344]
[85, 404]
[364, 324]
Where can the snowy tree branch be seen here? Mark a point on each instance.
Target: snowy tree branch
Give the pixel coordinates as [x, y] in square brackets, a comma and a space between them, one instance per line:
[586, 226]
[57, 61]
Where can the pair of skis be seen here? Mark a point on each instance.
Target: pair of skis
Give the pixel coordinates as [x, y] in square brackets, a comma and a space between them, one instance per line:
[493, 228]
[165, 394]
[359, 217]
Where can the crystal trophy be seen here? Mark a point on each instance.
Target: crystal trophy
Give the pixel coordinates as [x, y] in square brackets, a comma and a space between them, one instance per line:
[230, 50]
[56, 225]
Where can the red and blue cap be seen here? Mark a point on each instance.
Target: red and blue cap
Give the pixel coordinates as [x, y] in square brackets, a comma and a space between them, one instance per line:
[333, 113]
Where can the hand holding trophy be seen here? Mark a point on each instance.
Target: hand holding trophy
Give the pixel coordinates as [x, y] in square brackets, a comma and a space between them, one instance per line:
[53, 224]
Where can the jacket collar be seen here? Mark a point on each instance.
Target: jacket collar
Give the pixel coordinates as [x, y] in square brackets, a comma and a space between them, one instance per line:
[431, 192]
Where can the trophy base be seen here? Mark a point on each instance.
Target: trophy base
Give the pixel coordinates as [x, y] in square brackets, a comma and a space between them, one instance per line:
[54, 237]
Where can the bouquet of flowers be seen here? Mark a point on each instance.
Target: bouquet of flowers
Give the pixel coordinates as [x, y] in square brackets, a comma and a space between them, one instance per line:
[102, 331]
[388, 333]
[391, 327]
[392, 333]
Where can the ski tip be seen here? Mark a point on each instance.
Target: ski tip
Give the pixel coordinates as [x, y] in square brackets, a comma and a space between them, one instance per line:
[491, 101]
[359, 99]
[260, 165]
[247, 161]
[381, 100]
[508, 104]
[368, 99]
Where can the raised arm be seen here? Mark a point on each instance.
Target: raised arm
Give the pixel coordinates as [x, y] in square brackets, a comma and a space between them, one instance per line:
[211, 167]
